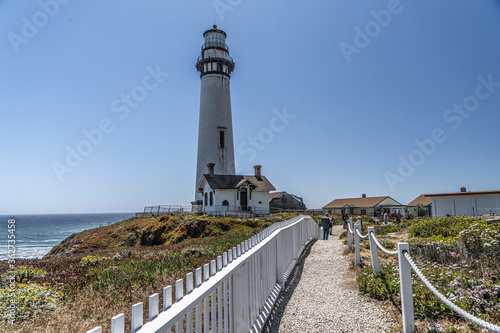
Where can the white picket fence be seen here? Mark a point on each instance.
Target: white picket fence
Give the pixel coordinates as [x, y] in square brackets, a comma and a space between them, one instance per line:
[405, 265]
[234, 293]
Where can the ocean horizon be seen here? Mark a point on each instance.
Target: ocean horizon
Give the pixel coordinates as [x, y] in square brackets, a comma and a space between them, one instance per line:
[37, 234]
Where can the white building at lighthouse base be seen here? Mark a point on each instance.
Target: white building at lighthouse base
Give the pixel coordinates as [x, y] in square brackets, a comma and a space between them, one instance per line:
[226, 194]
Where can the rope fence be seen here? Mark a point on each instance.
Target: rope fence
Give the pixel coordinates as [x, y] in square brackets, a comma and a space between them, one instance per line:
[406, 263]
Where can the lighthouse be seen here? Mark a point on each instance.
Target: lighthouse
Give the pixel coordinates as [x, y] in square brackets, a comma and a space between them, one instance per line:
[215, 131]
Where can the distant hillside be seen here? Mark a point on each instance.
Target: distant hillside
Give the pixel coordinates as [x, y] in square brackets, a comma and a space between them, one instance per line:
[141, 232]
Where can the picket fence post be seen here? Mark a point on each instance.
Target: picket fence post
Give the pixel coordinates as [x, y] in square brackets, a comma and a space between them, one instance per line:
[118, 324]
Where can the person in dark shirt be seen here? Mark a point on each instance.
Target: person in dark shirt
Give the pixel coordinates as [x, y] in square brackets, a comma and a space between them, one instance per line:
[325, 223]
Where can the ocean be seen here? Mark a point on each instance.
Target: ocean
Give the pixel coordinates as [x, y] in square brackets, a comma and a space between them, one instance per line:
[36, 235]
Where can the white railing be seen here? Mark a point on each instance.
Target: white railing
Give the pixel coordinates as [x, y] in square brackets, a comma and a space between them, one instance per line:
[405, 265]
[236, 292]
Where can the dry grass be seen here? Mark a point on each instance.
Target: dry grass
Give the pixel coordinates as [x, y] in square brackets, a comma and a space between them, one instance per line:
[91, 309]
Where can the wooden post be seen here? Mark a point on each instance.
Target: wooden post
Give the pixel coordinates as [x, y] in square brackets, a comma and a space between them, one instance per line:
[206, 316]
[136, 322]
[167, 298]
[374, 251]
[357, 254]
[153, 306]
[179, 294]
[197, 282]
[239, 302]
[406, 289]
[189, 315]
[349, 235]
[96, 330]
[280, 261]
[118, 324]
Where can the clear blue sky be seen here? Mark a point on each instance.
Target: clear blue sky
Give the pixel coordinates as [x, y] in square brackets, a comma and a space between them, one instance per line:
[362, 87]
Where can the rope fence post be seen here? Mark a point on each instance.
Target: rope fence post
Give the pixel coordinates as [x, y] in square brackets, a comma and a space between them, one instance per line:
[406, 289]
[357, 254]
[374, 251]
[349, 235]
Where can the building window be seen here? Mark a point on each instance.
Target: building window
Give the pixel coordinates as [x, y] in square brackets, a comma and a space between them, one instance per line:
[260, 202]
[222, 139]
[219, 67]
[211, 198]
[206, 199]
[225, 203]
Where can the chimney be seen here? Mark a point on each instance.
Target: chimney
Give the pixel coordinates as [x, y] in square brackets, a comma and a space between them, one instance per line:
[257, 170]
[211, 167]
[363, 195]
[463, 189]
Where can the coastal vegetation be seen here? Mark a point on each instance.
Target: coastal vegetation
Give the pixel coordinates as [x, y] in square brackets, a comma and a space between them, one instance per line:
[460, 256]
[99, 273]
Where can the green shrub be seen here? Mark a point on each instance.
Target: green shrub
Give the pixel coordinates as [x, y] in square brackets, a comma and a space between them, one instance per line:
[28, 273]
[28, 299]
[381, 287]
[89, 261]
[444, 226]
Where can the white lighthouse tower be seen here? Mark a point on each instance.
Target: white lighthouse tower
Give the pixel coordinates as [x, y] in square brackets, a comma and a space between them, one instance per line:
[215, 132]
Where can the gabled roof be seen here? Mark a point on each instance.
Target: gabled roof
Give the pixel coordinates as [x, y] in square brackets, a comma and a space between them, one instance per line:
[422, 199]
[227, 182]
[355, 202]
[461, 193]
[275, 195]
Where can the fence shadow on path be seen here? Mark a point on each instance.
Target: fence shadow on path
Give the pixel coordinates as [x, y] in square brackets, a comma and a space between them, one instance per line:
[274, 320]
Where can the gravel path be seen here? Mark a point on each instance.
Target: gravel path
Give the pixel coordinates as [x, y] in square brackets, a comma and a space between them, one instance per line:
[320, 295]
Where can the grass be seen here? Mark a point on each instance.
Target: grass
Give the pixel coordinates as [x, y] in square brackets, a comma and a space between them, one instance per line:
[84, 287]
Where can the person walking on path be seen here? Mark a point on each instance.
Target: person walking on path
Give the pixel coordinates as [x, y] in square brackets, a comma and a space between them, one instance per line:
[386, 218]
[325, 223]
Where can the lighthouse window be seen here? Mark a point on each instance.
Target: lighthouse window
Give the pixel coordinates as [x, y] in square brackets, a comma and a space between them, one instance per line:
[219, 67]
[222, 139]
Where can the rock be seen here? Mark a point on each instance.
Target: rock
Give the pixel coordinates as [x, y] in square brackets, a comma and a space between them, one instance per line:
[195, 229]
[66, 248]
[131, 239]
[195, 251]
[152, 236]
[122, 254]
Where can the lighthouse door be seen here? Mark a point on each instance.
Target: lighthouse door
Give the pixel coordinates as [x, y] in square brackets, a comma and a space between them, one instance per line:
[243, 199]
